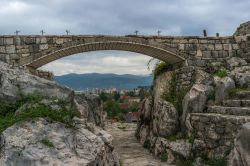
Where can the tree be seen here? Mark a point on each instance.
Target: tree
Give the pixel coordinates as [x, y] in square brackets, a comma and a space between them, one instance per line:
[112, 108]
[116, 96]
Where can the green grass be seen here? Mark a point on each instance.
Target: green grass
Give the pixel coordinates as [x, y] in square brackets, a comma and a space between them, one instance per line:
[221, 73]
[160, 68]
[8, 117]
[47, 142]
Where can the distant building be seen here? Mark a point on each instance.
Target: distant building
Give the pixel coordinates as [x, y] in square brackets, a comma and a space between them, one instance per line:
[132, 117]
[130, 99]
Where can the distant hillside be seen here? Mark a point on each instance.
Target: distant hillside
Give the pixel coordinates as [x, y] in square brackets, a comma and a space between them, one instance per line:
[96, 80]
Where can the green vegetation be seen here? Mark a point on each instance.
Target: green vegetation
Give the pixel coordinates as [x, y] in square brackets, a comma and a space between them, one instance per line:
[221, 73]
[160, 68]
[147, 144]
[175, 96]
[220, 161]
[47, 142]
[8, 117]
[234, 91]
[164, 157]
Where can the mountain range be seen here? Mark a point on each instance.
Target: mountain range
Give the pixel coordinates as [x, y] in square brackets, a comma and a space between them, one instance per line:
[101, 81]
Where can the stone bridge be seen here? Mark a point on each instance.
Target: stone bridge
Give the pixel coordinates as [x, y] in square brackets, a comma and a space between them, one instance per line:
[36, 51]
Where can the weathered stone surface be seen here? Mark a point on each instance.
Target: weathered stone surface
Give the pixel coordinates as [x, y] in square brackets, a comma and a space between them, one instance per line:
[14, 83]
[222, 88]
[21, 144]
[90, 107]
[165, 119]
[235, 62]
[241, 75]
[240, 155]
[195, 100]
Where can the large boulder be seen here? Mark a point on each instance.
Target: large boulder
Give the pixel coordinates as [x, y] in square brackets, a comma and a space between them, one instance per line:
[235, 62]
[40, 142]
[15, 84]
[241, 75]
[222, 88]
[90, 107]
[165, 118]
[240, 155]
[195, 100]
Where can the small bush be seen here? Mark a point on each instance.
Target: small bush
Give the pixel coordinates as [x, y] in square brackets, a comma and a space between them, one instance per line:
[47, 142]
[147, 144]
[221, 161]
[221, 73]
[160, 68]
[8, 117]
[164, 157]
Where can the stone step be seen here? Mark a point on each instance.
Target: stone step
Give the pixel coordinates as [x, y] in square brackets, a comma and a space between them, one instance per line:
[242, 94]
[239, 111]
[236, 103]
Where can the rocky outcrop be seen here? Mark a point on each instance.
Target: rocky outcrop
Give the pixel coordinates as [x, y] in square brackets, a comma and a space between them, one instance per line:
[195, 100]
[15, 84]
[166, 118]
[51, 136]
[240, 155]
[90, 107]
[40, 142]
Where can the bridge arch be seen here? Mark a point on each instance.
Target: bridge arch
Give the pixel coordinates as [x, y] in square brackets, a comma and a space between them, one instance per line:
[146, 49]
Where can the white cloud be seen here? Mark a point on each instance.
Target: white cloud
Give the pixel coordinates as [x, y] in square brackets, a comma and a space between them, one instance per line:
[119, 62]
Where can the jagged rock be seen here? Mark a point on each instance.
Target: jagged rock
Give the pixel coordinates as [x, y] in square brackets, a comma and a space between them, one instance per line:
[165, 118]
[146, 110]
[23, 144]
[202, 77]
[15, 84]
[222, 88]
[240, 155]
[195, 100]
[90, 107]
[176, 150]
[241, 75]
[235, 62]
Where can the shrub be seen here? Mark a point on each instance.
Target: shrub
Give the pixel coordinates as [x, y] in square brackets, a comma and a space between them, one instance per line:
[8, 117]
[160, 68]
[220, 161]
[147, 144]
[221, 73]
[164, 157]
[173, 96]
[47, 142]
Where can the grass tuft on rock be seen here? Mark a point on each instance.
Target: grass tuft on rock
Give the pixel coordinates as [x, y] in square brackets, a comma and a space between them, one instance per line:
[160, 68]
[164, 157]
[47, 142]
[221, 73]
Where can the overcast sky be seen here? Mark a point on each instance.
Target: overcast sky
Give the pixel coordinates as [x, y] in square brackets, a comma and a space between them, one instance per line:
[119, 17]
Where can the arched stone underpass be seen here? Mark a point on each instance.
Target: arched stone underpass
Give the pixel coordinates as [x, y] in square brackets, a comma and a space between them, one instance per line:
[155, 52]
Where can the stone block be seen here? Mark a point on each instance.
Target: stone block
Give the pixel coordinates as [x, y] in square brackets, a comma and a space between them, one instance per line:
[43, 40]
[43, 46]
[14, 56]
[2, 49]
[18, 40]
[30, 40]
[210, 47]
[227, 46]
[218, 47]
[235, 46]
[9, 41]
[1, 41]
[59, 41]
[10, 49]
[25, 55]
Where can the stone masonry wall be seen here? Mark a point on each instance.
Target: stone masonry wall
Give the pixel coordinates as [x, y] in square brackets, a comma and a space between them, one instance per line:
[215, 133]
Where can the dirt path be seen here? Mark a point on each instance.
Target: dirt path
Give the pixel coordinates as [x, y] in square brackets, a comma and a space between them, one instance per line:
[130, 150]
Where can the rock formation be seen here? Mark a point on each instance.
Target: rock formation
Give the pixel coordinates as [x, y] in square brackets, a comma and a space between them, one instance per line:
[47, 131]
